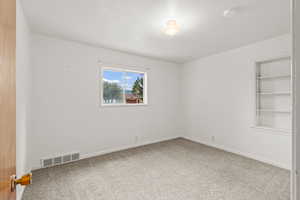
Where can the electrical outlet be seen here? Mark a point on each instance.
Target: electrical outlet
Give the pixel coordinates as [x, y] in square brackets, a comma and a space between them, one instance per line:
[213, 138]
[136, 139]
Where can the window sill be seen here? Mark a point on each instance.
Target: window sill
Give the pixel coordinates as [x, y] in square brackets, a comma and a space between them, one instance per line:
[123, 105]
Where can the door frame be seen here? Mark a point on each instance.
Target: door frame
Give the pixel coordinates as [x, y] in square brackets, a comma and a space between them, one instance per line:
[295, 191]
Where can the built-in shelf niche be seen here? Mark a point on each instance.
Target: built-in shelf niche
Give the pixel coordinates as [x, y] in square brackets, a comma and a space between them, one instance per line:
[273, 94]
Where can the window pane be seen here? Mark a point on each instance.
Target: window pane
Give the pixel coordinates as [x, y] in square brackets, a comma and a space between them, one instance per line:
[134, 90]
[113, 87]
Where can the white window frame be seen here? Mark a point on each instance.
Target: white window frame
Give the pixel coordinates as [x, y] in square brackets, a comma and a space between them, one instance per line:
[145, 92]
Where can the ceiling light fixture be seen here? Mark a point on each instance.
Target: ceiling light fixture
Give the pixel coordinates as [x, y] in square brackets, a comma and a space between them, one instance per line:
[171, 27]
[229, 12]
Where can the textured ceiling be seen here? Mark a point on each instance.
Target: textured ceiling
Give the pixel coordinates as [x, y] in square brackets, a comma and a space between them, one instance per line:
[134, 26]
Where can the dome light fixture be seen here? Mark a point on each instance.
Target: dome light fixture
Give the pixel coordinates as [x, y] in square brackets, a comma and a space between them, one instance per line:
[171, 27]
[230, 12]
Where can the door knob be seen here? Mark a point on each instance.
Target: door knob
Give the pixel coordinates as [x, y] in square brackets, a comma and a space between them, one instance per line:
[24, 180]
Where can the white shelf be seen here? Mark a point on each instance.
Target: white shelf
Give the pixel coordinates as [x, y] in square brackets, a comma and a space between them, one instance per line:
[272, 129]
[273, 77]
[273, 111]
[274, 93]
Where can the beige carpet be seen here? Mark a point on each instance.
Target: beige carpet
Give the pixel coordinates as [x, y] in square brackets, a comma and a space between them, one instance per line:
[173, 170]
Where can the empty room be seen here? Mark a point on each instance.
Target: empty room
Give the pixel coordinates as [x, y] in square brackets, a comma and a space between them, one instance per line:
[148, 100]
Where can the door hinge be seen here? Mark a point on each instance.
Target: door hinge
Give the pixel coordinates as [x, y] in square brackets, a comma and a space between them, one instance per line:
[24, 180]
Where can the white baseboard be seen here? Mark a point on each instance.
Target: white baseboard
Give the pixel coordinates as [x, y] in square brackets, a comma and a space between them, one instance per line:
[235, 151]
[222, 147]
[106, 151]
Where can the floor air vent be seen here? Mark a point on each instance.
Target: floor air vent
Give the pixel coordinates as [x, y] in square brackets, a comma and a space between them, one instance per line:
[58, 160]
[47, 162]
[75, 156]
[67, 158]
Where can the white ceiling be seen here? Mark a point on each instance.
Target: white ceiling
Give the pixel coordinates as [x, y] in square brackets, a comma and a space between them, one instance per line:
[135, 26]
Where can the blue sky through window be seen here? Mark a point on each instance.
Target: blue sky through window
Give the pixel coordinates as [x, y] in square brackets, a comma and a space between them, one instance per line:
[125, 79]
[131, 77]
[113, 76]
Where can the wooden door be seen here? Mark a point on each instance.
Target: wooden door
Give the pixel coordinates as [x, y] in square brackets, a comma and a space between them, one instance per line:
[7, 97]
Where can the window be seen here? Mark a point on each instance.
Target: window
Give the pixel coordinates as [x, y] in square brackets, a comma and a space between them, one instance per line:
[123, 87]
[273, 94]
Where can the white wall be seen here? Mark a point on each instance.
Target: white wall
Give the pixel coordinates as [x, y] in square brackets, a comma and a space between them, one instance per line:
[66, 113]
[217, 95]
[219, 101]
[23, 85]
